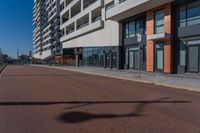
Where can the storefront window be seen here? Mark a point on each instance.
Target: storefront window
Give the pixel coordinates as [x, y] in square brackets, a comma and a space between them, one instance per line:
[93, 57]
[190, 14]
[182, 53]
[159, 21]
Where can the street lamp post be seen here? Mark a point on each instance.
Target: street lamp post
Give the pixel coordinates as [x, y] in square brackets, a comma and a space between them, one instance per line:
[139, 40]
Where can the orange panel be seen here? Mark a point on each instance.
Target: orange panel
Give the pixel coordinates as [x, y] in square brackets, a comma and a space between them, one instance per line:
[150, 56]
[167, 57]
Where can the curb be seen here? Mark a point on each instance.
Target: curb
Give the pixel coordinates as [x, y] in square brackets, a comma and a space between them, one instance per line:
[128, 79]
[2, 68]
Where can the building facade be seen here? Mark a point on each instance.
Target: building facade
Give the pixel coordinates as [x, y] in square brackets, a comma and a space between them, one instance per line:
[46, 34]
[153, 35]
[85, 30]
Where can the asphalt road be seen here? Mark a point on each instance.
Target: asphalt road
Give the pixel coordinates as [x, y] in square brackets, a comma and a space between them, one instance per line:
[44, 100]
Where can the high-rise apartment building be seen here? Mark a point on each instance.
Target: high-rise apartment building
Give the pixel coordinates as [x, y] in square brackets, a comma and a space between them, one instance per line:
[153, 35]
[46, 34]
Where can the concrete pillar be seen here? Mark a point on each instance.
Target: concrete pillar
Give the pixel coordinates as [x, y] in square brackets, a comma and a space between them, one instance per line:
[75, 25]
[150, 44]
[82, 4]
[70, 13]
[90, 17]
[168, 53]
[77, 60]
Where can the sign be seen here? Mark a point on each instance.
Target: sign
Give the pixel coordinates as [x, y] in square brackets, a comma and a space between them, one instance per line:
[139, 37]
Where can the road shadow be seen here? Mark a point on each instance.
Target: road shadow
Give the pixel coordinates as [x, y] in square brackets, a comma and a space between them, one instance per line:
[78, 117]
[86, 103]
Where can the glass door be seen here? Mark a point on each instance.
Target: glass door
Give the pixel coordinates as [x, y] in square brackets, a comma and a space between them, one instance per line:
[136, 56]
[107, 60]
[114, 59]
[133, 58]
[131, 55]
[193, 58]
[159, 56]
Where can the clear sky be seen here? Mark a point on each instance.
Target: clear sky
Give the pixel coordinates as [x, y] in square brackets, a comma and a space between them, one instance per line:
[16, 26]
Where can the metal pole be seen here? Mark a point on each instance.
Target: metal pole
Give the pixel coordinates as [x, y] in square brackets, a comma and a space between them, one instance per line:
[139, 61]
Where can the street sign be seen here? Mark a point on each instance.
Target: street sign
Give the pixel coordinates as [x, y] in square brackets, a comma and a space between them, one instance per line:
[139, 37]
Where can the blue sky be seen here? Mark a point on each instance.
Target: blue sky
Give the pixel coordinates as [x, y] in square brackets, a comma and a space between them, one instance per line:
[16, 26]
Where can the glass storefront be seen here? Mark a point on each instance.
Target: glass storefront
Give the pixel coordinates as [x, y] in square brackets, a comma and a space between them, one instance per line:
[99, 57]
[131, 58]
[159, 56]
[190, 13]
[189, 55]
[93, 57]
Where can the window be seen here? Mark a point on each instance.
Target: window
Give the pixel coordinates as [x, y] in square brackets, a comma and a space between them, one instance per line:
[190, 14]
[139, 25]
[182, 16]
[182, 53]
[131, 29]
[193, 13]
[126, 31]
[159, 21]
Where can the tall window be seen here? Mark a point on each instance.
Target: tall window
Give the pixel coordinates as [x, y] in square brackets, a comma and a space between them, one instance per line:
[159, 21]
[190, 14]
[132, 27]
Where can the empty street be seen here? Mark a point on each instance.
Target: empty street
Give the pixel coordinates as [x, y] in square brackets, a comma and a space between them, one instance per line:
[43, 100]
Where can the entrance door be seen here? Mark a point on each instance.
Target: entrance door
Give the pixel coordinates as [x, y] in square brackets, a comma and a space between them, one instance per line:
[107, 55]
[136, 54]
[131, 55]
[114, 60]
[133, 58]
[193, 59]
[159, 56]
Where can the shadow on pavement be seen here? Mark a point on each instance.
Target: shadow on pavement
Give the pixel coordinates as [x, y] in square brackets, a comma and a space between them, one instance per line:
[84, 103]
[77, 116]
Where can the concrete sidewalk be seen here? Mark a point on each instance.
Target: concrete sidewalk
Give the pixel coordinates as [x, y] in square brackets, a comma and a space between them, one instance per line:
[180, 81]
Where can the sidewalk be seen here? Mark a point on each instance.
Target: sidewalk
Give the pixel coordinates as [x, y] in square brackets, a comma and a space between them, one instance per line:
[180, 81]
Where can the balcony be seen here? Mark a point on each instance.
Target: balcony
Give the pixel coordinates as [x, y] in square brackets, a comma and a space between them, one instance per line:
[84, 30]
[123, 9]
[95, 5]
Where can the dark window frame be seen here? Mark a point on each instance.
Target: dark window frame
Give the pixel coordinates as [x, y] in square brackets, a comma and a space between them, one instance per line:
[158, 26]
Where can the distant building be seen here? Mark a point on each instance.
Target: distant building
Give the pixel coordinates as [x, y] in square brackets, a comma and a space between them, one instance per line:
[46, 34]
